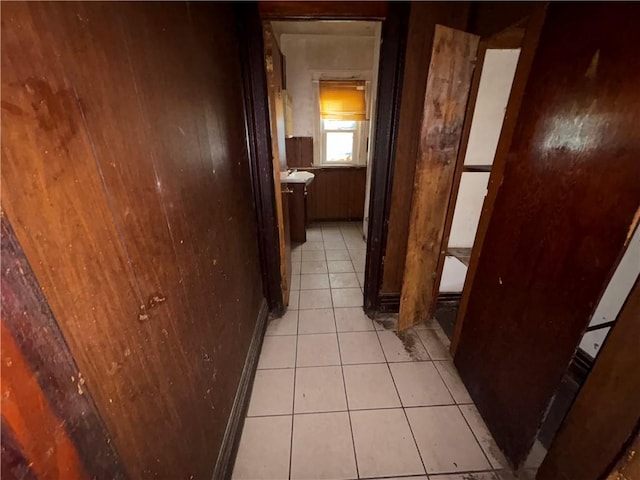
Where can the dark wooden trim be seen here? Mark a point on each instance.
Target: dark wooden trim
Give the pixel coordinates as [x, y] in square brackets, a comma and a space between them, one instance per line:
[254, 83]
[231, 439]
[390, 75]
[29, 325]
[390, 302]
[580, 366]
[476, 168]
[314, 10]
[525, 61]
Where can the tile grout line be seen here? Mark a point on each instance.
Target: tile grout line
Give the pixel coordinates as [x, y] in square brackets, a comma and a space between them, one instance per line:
[293, 403]
[404, 411]
[344, 383]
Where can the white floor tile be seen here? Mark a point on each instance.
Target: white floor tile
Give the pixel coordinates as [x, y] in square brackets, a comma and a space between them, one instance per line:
[319, 266]
[272, 393]
[360, 347]
[317, 350]
[315, 299]
[384, 444]
[445, 440]
[384, 322]
[359, 265]
[296, 254]
[437, 351]
[419, 384]
[295, 268]
[340, 266]
[307, 246]
[453, 381]
[295, 282]
[480, 430]
[358, 255]
[347, 297]
[404, 347]
[294, 298]
[313, 256]
[370, 386]
[314, 281]
[338, 254]
[319, 389]
[285, 325]
[334, 245]
[319, 320]
[314, 235]
[360, 276]
[352, 319]
[278, 352]
[322, 447]
[264, 449]
[343, 280]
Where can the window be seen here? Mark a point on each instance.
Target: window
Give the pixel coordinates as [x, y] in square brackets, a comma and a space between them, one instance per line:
[342, 115]
[339, 140]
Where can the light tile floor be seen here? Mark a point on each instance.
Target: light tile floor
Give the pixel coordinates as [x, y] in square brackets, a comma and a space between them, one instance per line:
[339, 396]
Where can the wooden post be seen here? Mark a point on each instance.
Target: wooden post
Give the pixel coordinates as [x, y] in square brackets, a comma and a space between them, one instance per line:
[448, 85]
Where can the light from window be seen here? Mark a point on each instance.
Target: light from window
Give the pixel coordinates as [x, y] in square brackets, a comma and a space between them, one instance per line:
[339, 125]
[339, 147]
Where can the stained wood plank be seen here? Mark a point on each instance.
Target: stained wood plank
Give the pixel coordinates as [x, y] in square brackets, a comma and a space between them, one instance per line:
[422, 23]
[607, 407]
[447, 90]
[561, 218]
[314, 10]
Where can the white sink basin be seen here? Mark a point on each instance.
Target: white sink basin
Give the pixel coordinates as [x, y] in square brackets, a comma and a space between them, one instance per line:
[297, 177]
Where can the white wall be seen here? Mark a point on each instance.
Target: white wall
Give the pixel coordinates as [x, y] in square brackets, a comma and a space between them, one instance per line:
[308, 57]
[498, 70]
[614, 296]
[497, 75]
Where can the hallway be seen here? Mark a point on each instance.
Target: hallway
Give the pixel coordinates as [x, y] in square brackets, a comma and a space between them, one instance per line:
[337, 395]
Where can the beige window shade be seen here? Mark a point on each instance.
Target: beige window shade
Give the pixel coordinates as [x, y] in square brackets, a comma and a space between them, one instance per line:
[343, 100]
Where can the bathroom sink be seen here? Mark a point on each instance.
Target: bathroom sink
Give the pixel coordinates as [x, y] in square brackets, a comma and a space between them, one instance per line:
[297, 177]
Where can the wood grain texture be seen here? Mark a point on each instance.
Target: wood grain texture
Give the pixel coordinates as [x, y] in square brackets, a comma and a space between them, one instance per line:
[299, 152]
[273, 67]
[533, 28]
[447, 90]
[570, 192]
[126, 177]
[422, 22]
[336, 194]
[46, 405]
[607, 407]
[628, 466]
[314, 10]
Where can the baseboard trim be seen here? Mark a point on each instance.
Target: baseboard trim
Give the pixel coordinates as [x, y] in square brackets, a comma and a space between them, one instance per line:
[390, 302]
[231, 439]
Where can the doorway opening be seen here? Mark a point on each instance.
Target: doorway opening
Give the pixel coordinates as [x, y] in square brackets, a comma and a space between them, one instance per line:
[322, 79]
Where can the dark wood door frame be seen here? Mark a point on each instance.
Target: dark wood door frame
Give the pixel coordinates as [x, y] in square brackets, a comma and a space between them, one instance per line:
[391, 68]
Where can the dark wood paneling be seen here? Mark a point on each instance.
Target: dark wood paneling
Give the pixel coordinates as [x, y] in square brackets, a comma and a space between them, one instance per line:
[423, 20]
[390, 77]
[447, 91]
[299, 152]
[126, 176]
[488, 18]
[324, 10]
[561, 218]
[45, 404]
[297, 212]
[336, 194]
[608, 406]
[256, 105]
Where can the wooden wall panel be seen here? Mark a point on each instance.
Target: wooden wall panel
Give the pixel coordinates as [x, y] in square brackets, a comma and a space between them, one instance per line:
[422, 22]
[562, 215]
[126, 176]
[336, 194]
[299, 152]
